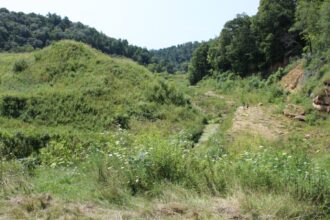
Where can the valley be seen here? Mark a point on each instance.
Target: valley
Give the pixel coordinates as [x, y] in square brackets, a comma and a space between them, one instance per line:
[237, 127]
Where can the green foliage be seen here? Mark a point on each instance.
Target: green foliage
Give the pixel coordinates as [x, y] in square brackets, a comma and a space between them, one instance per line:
[276, 77]
[12, 106]
[20, 65]
[272, 24]
[72, 89]
[138, 165]
[20, 145]
[172, 59]
[21, 32]
[261, 43]
[236, 48]
[88, 127]
[63, 153]
[248, 89]
[66, 86]
[312, 20]
[163, 93]
[278, 171]
[199, 66]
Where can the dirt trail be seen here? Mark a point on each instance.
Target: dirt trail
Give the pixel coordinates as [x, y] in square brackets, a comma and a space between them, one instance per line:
[257, 121]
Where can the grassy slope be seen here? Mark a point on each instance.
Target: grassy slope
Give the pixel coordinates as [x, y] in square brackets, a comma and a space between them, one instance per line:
[150, 169]
[71, 89]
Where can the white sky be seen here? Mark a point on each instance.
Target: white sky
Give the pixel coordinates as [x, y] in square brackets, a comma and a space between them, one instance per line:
[148, 23]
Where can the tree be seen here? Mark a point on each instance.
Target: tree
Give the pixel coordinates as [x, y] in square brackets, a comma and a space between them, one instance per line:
[199, 66]
[271, 26]
[235, 49]
[313, 23]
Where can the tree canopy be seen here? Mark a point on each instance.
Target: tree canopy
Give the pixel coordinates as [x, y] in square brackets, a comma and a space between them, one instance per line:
[264, 42]
[25, 32]
[199, 66]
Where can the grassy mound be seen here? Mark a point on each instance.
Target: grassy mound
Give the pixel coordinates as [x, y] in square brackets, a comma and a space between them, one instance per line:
[70, 86]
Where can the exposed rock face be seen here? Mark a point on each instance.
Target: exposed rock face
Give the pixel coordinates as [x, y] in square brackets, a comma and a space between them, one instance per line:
[322, 101]
[291, 82]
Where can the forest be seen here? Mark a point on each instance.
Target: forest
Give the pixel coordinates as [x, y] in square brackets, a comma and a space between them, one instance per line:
[21, 32]
[262, 43]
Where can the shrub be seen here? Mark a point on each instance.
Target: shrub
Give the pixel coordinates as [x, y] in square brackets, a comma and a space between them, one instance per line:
[19, 145]
[20, 65]
[12, 106]
[63, 153]
[122, 120]
[275, 77]
[163, 93]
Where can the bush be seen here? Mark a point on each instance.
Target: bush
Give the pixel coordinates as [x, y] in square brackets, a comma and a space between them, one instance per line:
[163, 93]
[278, 172]
[63, 153]
[12, 106]
[20, 65]
[275, 77]
[19, 145]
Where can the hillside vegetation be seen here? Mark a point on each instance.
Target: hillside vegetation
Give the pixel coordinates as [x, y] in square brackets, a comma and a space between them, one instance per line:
[71, 87]
[85, 135]
[279, 32]
[21, 32]
[91, 129]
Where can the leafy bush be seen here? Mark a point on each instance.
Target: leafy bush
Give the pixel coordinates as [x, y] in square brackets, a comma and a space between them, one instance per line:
[63, 153]
[20, 65]
[163, 93]
[12, 106]
[19, 145]
[275, 77]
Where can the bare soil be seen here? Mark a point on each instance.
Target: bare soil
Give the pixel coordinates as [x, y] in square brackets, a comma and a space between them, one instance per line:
[291, 82]
[258, 121]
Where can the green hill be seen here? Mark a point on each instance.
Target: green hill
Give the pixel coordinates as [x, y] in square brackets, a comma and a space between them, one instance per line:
[25, 32]
[69, 86]
[85, 135]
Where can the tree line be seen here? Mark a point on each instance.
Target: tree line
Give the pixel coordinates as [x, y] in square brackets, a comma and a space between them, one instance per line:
[20, 32]
[261, 43]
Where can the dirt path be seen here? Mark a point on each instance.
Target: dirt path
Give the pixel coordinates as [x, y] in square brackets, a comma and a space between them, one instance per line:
[257, 121]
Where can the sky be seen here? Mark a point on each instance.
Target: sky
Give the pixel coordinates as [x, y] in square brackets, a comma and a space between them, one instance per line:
[152, 24]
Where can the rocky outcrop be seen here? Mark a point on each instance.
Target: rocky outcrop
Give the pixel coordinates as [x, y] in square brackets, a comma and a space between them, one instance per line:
[292, 81]
[322, 101]
[294, 111]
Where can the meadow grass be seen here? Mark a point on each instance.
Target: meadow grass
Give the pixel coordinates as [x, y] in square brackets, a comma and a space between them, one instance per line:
[87, 128]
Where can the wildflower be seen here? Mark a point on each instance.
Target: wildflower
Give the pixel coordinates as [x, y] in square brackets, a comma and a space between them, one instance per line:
[110, 155]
